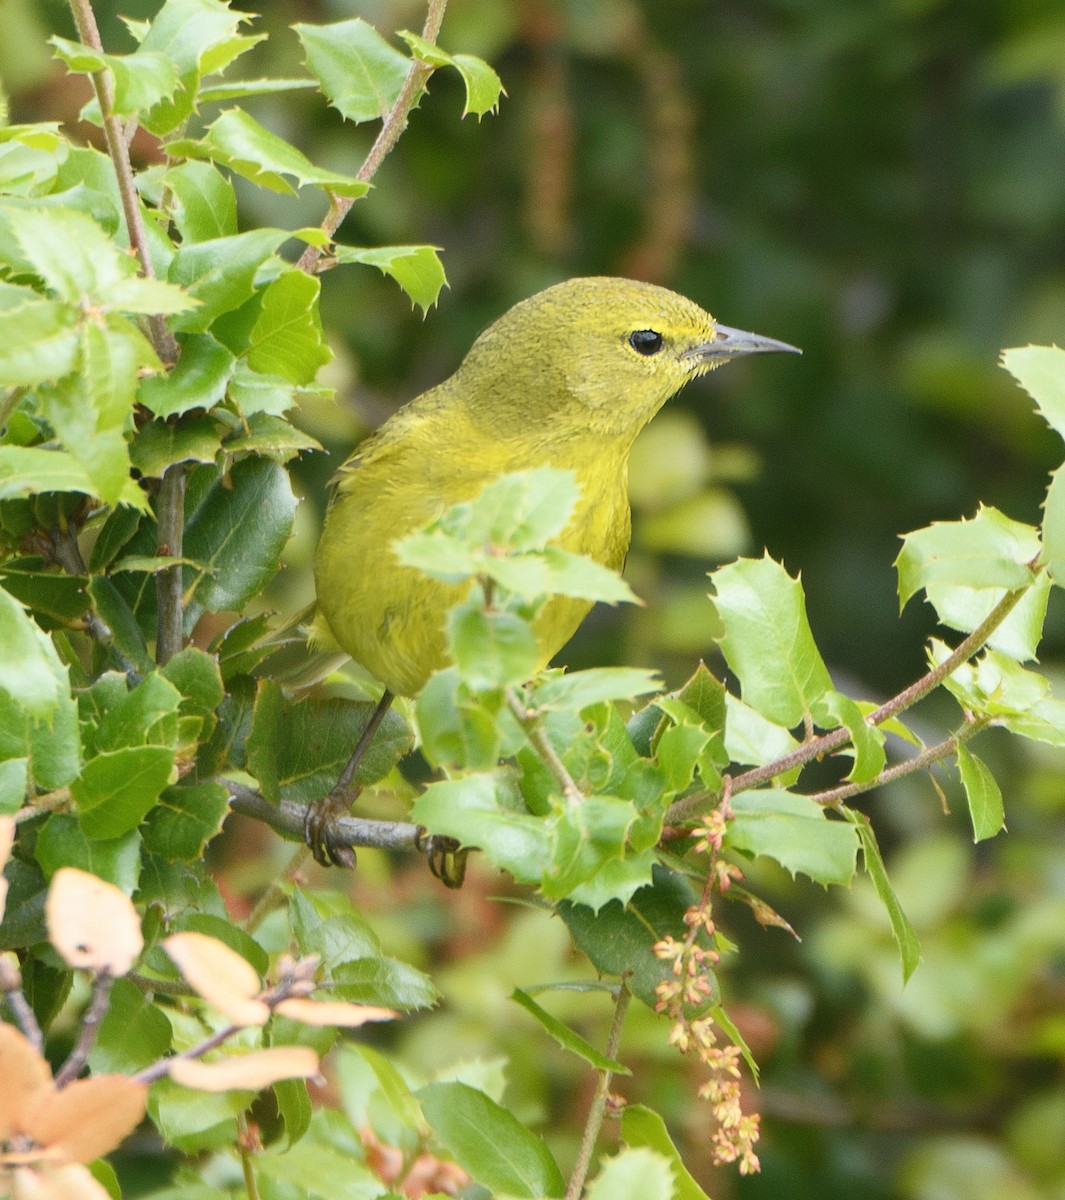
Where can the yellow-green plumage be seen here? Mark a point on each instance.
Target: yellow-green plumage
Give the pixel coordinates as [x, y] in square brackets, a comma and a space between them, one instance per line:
[556, 381]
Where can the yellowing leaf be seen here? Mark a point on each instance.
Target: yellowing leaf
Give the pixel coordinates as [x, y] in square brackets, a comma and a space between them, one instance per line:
[87, 1118]
[26, 1076]
[92, 923]
[252, 1071]
[220, 976]
[332, 1012]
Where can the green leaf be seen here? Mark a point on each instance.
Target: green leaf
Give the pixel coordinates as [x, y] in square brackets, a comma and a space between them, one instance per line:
[480, 810]
[14, 780]
[582, 577]
[619, 939]
[90, 410]
[1019, 634]
[294, 1105]
[62, 842]
[38, 342]
[116, 614]
[240, 88]
[578, 690]
[491, 649]
[567, 1038]
[287, 338]
[317, 1169]
[133, 1034]
[237, 141]
[642, 1126]
[794, 831]
[220, 273]
[633, 1174]
[135, 720]
[297, 750]
[141, 79]
[160, 444]
[456, 727]
[752, 739]
[1053, 526]
[360, 73]
[386, 981]
[271, 436]
[983, 794]
[483, 85]
[197, 380]
[417, 269]
[767, 639]
[867, 741]
[986, 552]
[204, 205]
[186, 818]
[199, 37]
[905, 938]
[329, 927]
[30, 670]
[1040, 370]
[116, 790]
[237, 531]
[489, 1142]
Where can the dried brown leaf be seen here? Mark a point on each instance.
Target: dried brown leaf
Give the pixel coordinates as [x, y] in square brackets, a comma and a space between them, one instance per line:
[7, 840]
[25, 1077]
[92, 923]
[219, 975]
[332, 1012]
[72, 1182]
[87, 1118]
[253, 1071]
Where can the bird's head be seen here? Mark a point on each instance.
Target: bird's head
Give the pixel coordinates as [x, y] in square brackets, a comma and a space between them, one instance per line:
[600, 353]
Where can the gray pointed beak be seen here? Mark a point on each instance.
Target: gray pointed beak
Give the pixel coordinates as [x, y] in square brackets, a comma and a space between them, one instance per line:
[733, 343]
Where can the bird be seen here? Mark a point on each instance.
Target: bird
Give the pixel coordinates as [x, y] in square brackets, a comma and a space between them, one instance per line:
[566, 378]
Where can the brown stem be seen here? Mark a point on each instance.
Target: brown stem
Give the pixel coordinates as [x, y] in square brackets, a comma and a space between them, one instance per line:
[598, 1108]
[90, 1028]
[534, 731]
[391, 131]
[88, 31]
[170, 520]
[11, 988]
[944, 749]
[691, 806]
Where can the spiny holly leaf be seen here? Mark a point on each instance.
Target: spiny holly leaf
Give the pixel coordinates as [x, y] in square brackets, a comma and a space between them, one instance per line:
[767, 639]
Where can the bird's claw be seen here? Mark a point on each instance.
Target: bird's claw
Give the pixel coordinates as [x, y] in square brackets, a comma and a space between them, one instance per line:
[446, 857]
[320, 829]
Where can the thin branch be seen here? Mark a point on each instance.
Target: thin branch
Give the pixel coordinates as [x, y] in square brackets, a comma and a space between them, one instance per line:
[170, 520]
[89, 33]
[11, 987]
[919, 762]
[534, 731]
[288, 819]
[595, 1114]
[160, 1069]
[693, 805]
[90, 1028]
[391, 131]
[42, 805]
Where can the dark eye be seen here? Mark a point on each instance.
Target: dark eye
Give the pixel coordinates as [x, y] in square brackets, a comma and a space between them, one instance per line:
[645, 341]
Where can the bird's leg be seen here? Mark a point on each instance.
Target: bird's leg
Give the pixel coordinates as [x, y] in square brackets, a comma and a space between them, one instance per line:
[319, 826]
[446, 858]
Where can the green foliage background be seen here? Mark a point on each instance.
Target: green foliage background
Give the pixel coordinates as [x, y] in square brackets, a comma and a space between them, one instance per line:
[883, 185]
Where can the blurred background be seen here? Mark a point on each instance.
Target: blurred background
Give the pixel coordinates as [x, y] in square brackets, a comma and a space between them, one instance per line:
[881, 182]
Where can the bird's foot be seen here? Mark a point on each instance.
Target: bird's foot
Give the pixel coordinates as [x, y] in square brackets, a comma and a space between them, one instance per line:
[320, 828]
[446, 857]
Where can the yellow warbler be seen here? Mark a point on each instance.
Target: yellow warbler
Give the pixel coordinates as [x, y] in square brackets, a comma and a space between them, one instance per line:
[566, 379]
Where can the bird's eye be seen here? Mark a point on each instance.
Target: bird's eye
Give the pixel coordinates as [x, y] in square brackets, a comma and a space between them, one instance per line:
[645, 341]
